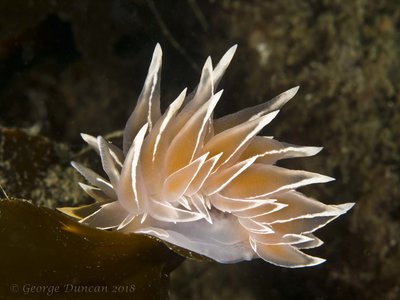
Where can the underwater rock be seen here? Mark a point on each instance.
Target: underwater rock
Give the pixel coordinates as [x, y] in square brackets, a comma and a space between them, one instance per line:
[35, 168]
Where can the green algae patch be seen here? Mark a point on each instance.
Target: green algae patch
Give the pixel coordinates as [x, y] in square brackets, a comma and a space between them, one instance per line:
[36, 168]
[44, 253]
[24, 157]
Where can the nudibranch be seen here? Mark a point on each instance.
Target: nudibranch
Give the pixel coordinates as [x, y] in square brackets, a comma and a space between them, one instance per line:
[207, 185]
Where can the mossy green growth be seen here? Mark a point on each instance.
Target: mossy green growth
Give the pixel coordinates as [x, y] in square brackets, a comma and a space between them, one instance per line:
[42, 249]
[36, 168]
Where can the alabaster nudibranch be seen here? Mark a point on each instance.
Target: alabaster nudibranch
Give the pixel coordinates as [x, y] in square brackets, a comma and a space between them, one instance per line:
[207, 185]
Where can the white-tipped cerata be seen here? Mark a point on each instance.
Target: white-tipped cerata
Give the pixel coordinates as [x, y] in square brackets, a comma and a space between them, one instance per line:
[209, 186]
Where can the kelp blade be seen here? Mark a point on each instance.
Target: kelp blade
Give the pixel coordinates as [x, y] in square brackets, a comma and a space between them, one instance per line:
[43, 252]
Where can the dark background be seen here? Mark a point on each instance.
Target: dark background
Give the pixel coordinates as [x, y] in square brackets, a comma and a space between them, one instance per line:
[77, 66]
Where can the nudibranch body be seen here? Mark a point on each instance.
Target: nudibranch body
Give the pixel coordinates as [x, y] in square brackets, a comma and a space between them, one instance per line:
[207, 185]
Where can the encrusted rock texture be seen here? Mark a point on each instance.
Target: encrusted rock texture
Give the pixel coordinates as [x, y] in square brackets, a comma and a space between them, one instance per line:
[78, 66]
